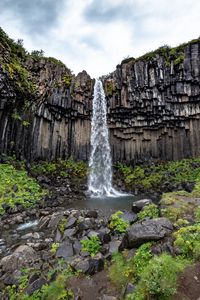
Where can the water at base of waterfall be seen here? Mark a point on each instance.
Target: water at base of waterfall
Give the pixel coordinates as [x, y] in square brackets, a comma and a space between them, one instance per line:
[100, 163]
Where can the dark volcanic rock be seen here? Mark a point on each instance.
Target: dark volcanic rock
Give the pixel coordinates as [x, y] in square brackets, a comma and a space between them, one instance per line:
[65, 251]
[138, 205]
[149, 230]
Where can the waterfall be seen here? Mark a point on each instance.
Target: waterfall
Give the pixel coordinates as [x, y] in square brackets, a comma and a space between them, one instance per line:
[100, 163]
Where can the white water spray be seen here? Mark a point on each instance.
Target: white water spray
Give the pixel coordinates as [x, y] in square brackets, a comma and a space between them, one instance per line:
[100, 163]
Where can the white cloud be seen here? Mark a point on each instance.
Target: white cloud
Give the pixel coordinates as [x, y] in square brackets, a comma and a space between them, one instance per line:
[120, 28]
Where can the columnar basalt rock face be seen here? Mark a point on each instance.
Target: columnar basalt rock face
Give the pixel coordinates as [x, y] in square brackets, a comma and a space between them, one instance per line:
[154, 107]
[53, 121]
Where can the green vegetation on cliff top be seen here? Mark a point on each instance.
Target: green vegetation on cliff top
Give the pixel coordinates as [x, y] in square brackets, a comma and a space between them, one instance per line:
[175, 54]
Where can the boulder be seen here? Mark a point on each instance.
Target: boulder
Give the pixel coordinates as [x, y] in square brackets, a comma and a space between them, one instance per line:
[65, 251]
[22, 257]
[137, 206]
[148, 230]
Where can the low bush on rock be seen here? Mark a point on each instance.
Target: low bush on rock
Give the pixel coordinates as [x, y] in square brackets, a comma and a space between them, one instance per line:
[188, 241]
[92, 245]
[117, 223]
[149, 211]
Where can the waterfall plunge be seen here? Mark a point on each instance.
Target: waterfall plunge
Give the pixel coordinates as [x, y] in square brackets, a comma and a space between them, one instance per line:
[100, 163]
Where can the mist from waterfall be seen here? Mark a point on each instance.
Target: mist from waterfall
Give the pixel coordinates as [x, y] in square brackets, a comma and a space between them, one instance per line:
[100, 163]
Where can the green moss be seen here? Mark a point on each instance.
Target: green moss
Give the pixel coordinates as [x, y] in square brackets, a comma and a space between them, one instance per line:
[110, 88]
[67, 79]
[16, 187]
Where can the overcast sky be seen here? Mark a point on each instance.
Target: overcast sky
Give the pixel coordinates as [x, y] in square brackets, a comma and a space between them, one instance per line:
[95, 35]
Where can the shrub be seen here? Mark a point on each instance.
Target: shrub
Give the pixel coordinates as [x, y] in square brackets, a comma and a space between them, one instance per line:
[142, 258]
[197, 214]
[91, 245]
[121, 270]
[124, 270]
[117, 223]
[150, 211]
[188, 241]
[159, 278]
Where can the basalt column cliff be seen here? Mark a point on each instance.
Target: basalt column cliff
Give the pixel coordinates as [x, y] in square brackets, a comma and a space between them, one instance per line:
[153, 105]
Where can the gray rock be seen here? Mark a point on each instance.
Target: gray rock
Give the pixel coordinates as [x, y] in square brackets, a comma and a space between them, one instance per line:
[69, 233]
[65, 251]
[92, 214]
[43, 222]
[77, 247]
[149, 230]
[114, 246]
[138, 205]
[71, 222]
[35, 286]
[22, 257]
[129, 216]
[83, 266]
[55, 219]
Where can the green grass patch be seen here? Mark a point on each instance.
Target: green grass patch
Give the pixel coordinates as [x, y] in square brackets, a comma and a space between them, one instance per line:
[16, 187]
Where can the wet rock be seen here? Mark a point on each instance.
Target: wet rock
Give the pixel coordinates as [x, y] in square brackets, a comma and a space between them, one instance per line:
[149, 230]
[138, 205]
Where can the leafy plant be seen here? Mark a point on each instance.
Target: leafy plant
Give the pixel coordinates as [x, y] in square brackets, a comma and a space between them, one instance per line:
[62, 225]
[124, 269]
[16, 187]
[150, 211]
[92, 245]
[117, 223]
[159, 278]
[188, 241]
[142, 257]
[54, 247]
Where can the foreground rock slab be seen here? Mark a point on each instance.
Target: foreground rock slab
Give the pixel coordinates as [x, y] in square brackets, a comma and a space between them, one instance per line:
[148, 230]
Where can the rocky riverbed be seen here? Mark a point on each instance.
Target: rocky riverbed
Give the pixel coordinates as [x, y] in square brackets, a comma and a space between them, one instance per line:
[37, 239]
